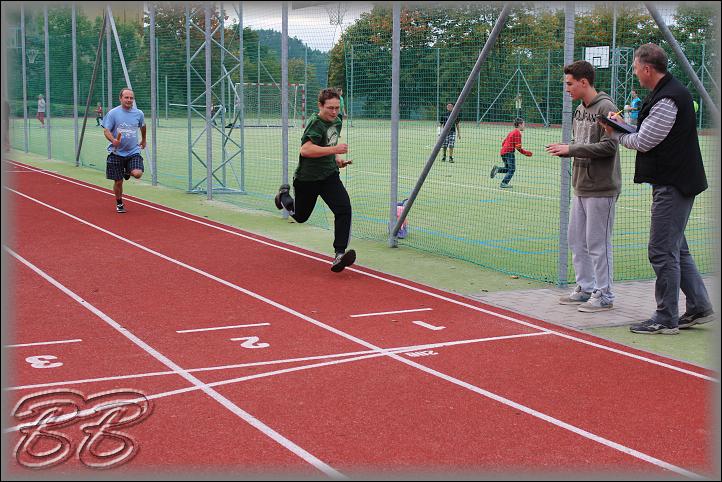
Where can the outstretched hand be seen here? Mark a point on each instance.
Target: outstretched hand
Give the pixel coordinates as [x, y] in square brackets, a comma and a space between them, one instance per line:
[561, 150]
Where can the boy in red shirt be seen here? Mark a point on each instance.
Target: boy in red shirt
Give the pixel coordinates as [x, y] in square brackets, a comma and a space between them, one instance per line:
[511, 143]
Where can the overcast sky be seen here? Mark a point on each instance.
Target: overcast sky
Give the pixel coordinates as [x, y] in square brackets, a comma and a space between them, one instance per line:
[311, 25]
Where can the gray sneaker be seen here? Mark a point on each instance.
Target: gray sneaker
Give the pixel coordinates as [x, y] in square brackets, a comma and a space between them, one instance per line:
[576, 297]
[595, 303]
[651, 327]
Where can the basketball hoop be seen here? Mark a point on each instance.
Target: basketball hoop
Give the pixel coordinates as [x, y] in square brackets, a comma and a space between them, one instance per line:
[335, 13]
[32, 53]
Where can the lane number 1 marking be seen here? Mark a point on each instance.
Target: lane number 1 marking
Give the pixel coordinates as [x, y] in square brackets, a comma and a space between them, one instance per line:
[251, 342]
[428, 326]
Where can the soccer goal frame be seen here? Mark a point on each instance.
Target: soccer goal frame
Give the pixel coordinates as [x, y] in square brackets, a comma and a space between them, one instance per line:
[259, 94]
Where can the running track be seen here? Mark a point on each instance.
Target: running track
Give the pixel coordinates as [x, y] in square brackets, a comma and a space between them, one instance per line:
[257, 358]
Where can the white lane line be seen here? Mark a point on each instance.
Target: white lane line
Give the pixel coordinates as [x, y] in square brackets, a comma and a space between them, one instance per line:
[381, 278]
[481, 391]
[247, 417]
[428, 326]
[195, 330]
[400, 349]
[367, 344]
[58, 342]
[391, 312]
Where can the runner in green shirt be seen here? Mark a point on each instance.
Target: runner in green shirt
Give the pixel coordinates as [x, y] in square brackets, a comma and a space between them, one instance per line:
[317, 174]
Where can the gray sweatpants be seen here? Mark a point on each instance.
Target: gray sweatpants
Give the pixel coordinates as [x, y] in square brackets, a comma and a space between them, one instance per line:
[590, 239]
[670, 257]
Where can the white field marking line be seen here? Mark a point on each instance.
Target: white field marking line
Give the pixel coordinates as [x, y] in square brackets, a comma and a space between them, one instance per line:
[400, 349]
[390, 312]
[397, 283]
[493, 396]
[247, 417]
[221, 328]
[76, 340]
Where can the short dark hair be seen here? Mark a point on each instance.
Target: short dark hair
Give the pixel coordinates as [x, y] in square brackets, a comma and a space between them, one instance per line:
[581, 69]
[327, 94]
[518, 121]
[653, 55]
[123, 90]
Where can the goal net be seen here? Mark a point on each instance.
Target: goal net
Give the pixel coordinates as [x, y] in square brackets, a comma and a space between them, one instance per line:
[262, 104]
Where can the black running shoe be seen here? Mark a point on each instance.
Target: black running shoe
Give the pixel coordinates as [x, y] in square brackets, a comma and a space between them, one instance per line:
[120, 208]
[126, 176]
[688, 319]
[283, 190]
[342, 260]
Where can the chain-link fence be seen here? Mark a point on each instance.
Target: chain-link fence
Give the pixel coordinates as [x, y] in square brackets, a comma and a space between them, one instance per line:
[460, 211]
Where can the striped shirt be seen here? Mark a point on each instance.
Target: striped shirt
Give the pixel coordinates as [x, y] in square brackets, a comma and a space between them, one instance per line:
[654, 128]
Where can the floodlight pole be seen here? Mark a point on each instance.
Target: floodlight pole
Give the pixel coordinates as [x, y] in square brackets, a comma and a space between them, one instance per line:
[75, 76]
[613, 87]
[454, 114]
[682, 59]
[188, 97]
[209, 102]
[394, 168]
[564, 162]
[109, 62]
[98, 53]
[241, 100]
[47, 81]
[26, 125]
[153, 95]
[438, 85]
[284, 95]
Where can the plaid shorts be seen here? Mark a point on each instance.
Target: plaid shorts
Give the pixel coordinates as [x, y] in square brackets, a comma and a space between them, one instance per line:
[117, 166]
[450, 140]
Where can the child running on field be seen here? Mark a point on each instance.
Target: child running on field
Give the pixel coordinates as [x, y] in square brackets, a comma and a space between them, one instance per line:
[511, 143]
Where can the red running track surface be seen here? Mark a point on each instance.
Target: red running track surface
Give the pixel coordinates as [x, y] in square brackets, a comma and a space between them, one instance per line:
[301, 384]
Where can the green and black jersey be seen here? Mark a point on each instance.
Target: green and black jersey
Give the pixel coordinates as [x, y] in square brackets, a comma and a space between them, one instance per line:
[322, 134]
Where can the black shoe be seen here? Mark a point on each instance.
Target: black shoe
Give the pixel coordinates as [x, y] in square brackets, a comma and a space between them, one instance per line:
[282, 191]
[651, 327]
[443, 159]
[342, 260]
[120, 208]
[126, 176]
[451, 159]
[493, 172]
[687, 320]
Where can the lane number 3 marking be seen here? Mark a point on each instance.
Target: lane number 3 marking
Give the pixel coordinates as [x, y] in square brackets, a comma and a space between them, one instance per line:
[42, 361]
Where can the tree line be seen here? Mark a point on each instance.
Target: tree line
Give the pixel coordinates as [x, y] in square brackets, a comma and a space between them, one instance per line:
[440, 45]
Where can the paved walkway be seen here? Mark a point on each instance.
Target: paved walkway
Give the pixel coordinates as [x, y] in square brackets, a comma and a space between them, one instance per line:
[634, 302]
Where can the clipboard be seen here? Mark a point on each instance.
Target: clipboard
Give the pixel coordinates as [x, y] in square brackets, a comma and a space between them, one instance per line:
[617, 126]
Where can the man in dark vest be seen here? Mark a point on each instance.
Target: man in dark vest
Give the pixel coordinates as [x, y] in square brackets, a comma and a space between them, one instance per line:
[668, 158]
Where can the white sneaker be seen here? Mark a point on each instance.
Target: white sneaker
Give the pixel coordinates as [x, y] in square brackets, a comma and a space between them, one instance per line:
[596, 303]
[576, 297]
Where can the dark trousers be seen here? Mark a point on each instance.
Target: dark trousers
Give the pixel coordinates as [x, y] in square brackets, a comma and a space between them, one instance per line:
[334, 194]
[670, 257]
[509, 167]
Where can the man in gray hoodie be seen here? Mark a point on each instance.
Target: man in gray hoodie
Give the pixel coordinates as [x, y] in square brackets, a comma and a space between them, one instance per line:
[597, 182]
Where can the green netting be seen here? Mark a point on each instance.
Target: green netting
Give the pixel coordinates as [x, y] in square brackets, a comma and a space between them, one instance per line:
[460, 212]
